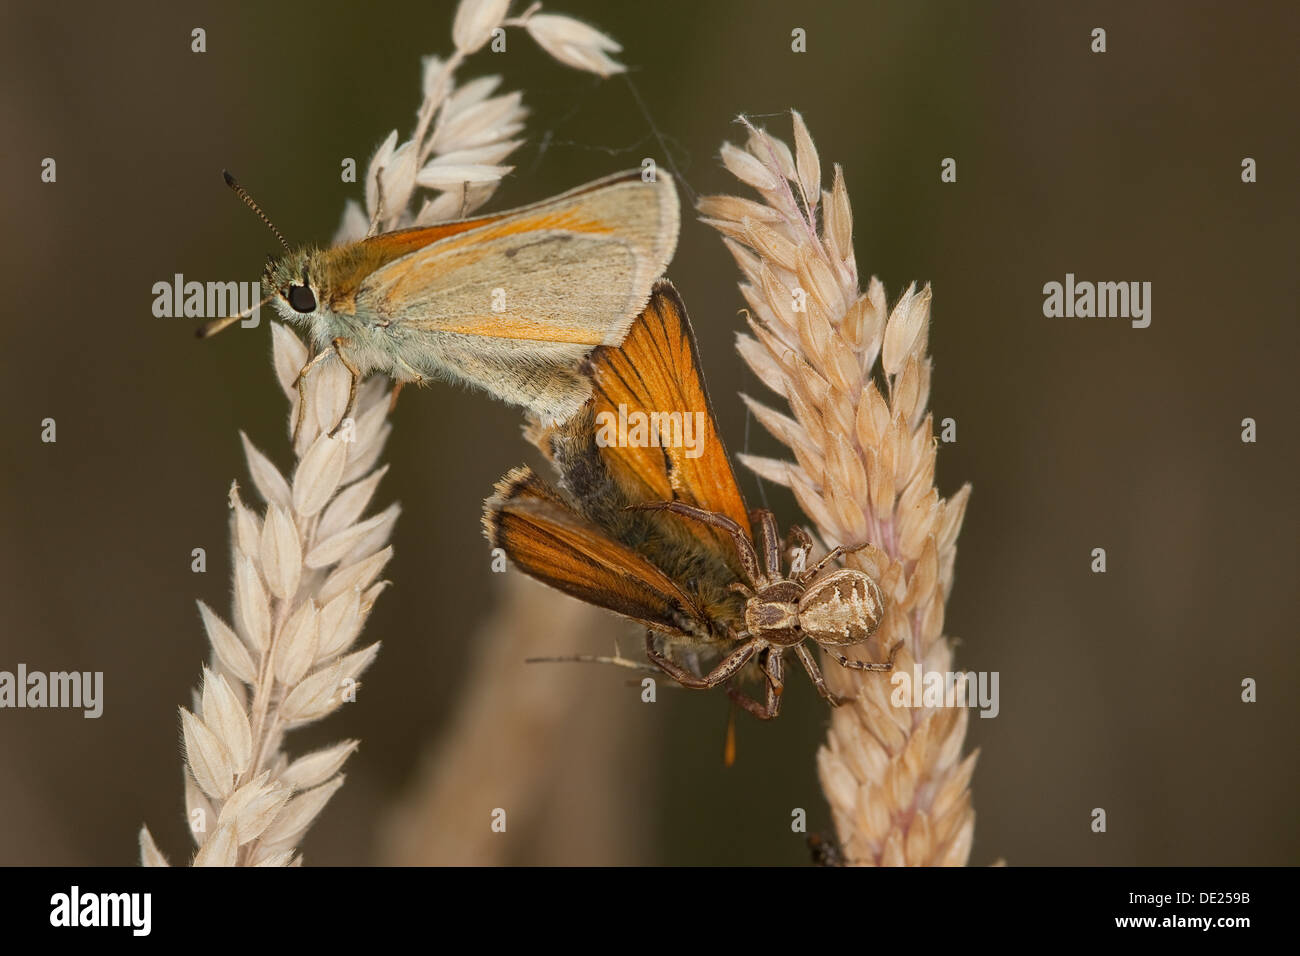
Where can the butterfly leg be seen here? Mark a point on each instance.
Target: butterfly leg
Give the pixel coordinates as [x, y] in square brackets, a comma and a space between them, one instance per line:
[744, 547]
[379, 204]
[723, 672]
[815, 673]
[300, 383]
[770, 664]
[400, 383]
[348, 364]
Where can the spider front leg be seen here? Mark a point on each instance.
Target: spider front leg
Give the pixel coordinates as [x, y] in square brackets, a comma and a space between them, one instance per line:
[831, 556]
[766, 522]
[744, 547]
[743, 589]
[720, 674]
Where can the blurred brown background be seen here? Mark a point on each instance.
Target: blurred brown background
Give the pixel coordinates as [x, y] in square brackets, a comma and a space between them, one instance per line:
[1118, 691]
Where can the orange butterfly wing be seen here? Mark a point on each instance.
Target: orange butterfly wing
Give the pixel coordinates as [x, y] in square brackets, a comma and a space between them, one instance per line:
[551, 542]
[657, 370]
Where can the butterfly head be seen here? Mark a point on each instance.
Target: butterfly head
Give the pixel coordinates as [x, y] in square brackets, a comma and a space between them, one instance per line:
[294, 282]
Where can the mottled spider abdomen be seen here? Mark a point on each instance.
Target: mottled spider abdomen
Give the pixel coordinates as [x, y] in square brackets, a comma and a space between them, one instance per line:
[842, 607]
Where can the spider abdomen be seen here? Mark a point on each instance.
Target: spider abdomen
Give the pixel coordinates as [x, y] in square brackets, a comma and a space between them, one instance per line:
[842, 607]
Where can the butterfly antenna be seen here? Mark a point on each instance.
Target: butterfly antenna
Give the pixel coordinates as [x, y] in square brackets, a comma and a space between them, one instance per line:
[242, 193]
[617, 661]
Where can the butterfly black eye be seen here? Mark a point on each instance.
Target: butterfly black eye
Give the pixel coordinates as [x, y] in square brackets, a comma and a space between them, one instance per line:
[301, 298]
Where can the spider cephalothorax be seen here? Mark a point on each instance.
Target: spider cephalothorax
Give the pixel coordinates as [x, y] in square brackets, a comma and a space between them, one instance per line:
[830, 606]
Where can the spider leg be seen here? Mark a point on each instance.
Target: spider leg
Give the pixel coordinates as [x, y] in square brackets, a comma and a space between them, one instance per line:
[831, 556]
[866, 665]
[725, 670]
[771, 542]
[770, 664]
[744, 546]
[815, 673]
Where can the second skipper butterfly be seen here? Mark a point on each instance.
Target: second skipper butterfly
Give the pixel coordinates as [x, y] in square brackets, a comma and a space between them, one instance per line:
[649, 522]
[511, 303]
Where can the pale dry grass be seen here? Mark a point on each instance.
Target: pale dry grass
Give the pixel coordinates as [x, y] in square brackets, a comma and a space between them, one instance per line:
[463, 133]
[306, 565]
[306, 571]
[856, 377]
